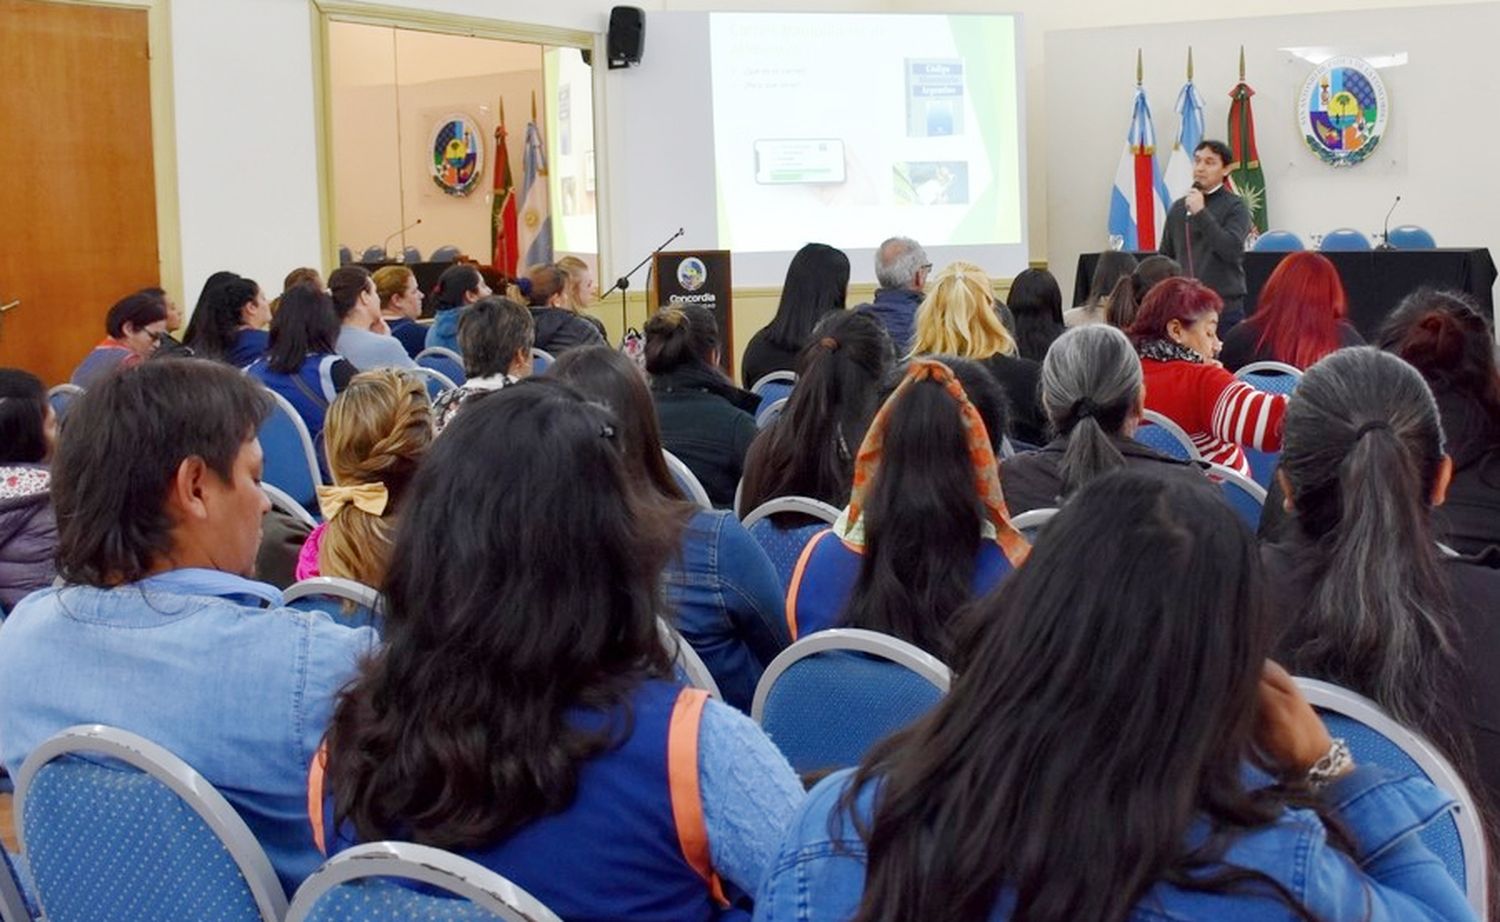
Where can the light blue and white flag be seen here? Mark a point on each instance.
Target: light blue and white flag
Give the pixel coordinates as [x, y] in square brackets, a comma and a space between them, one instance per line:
[1138, 203]
[536, 218]
[1179, 174]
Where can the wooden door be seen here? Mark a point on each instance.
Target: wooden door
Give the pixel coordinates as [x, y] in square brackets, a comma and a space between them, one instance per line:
[77, 191]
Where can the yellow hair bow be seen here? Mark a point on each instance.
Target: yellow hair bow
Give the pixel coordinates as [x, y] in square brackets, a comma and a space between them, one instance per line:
[366, 497]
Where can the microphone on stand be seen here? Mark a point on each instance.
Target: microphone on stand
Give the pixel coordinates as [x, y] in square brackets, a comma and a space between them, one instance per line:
[1385, 232]
[385, 247]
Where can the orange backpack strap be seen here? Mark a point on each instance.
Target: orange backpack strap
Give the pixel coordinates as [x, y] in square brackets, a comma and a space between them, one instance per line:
[315, 773]
[796, 583]
[682, 781]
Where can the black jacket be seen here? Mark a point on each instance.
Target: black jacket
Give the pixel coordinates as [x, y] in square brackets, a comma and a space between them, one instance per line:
[1022, 381]
[1033, 479]
[763, 357]
[558, 330]
[707, 422]
[1217, 256]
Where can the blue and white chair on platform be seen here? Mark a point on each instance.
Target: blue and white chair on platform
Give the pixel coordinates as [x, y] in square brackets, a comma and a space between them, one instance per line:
[1375, 737]
[689, 666]
[411, 255]
[1411, 237]
[114, 826]
[436, 381]
[1344, 239]
[344, 600]
[373, 254]
[774, 386]
[832, 695]
[1161, 434]
[60, 397]
[1030, 522]
[783, 526]
[1278, 241]
[291, 461]
[346, 256]
[1244, 495]
[541, 360]
[687, 480]
[769, 413]
[445, 254]
[445, 362]
[361, 885]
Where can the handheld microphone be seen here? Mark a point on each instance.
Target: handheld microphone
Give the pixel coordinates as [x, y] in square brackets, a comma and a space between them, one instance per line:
[386, 245]
[1385, 231]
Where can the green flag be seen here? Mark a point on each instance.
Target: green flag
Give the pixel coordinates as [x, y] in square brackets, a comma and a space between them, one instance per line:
[1245, 173]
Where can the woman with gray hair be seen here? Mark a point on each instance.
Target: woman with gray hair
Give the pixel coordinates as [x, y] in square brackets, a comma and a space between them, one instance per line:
[1371, 602]
[1093, 394]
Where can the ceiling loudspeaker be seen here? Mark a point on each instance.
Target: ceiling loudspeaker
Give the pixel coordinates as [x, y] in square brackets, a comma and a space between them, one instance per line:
[627, 36]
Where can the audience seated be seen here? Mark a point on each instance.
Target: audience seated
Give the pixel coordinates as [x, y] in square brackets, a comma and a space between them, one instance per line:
[229, 322]
[522, 712]
[1367, 600]
[133, 326]
[580, 290]
[400, 306]
[926, 528]
[809, 450]
[1176, 334]
[1094, 394]
[363, 338]
[558, 328]
[1129, 292]
[496, 336]
[817, 282]
[1443, 335]
[959, 318]
[705, 420]
[377, 431]
[28, 528]
[156, 487]
[174, 311]
[1299, 317]
[1112, 266]
[1035, 303]
[301, 364]
[901, 269]
[297, 277]
[1103, 752]
[722, 589]
[458, 286]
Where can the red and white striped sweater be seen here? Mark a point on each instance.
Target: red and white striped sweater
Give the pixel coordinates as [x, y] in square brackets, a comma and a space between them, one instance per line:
[1217, 410]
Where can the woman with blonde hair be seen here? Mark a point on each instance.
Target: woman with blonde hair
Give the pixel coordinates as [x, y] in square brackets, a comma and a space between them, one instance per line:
[401, 305]
[377, 431]
[581, 290]
[959, 317]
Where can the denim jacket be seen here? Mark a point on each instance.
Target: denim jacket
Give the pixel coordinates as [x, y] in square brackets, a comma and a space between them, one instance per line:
[728, 603]
[207, 664]
[1392, 877]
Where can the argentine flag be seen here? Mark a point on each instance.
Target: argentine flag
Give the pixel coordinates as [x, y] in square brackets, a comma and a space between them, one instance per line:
[1138, 205]
[536, 218]
[1179, 174]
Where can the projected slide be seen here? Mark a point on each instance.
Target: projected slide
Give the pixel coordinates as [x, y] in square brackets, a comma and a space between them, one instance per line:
[848, 129]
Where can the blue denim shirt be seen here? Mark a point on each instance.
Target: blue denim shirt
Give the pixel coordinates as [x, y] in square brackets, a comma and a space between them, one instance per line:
[195, 661]
[728, 603]
[1392, 877]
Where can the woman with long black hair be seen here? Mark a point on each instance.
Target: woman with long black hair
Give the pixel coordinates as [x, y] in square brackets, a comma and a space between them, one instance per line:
[817, 283]
[1092, 759]
[229, 323]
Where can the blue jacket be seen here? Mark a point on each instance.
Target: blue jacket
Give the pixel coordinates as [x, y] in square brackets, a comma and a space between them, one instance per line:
[207, 664]
[1392, 877]
[896, 309]
[444, 329]
[412, 335]
[728, 603]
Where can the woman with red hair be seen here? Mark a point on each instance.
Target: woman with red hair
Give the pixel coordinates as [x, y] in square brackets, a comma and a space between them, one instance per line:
[1177, 336]
[1298, 319]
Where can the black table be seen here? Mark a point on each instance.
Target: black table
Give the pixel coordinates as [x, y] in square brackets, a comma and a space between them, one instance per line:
[1375, 281]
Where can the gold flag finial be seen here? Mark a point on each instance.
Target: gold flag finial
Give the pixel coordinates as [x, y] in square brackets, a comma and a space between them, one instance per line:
[1242, 63]
[1140, 68]
[1190, 63]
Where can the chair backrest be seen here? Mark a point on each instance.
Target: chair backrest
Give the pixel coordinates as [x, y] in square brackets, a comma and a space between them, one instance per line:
[344, 600]
[1030, 523]
[1245, 495]
[831, 695]
[281, 501]
[770, 412]
[445, 254]
[13, 906]
[1344, 239]
[443, 361]
[411, 255]
[774, 386]
[783, 526]
[360, 884]
[436, 381]
[541, 360]
[1270, 369]
[686, 662]
[291, 462]
[373, 254]
[687, 480]
[137, 829]
[1278, 241]
[1411, 237]
[1376, 738]
[346, 255]
[1162, 434]
[61, 397]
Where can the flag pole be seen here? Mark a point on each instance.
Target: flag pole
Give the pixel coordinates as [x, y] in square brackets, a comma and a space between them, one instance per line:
[1242, 63]
[1190, 63]
[1140, 68]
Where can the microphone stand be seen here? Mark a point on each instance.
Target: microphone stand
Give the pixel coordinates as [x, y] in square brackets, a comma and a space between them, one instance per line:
[1385, 231]
[622, 284]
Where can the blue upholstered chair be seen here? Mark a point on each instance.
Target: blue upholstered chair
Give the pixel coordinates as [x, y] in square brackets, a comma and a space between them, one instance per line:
[769, 413]
[114, 826]
[281, 501]
[61, 397]
[13, 905]
[343, 600]
[436, 381]
[373, 254]
[1411, 237]
[1159, 433]
[832, 695]
[686, 663]
[1030, 523]
[1275, 378]
[783, 526]
[445, 254]
[1376, 738]
[541, 360]
[1243, 494]
[411, 255]
[687, 480]
[774, 386]
[444, 361]
[1278, 241]
[1344, 239]
[291, 461]
[346, 255]
[360, 885]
